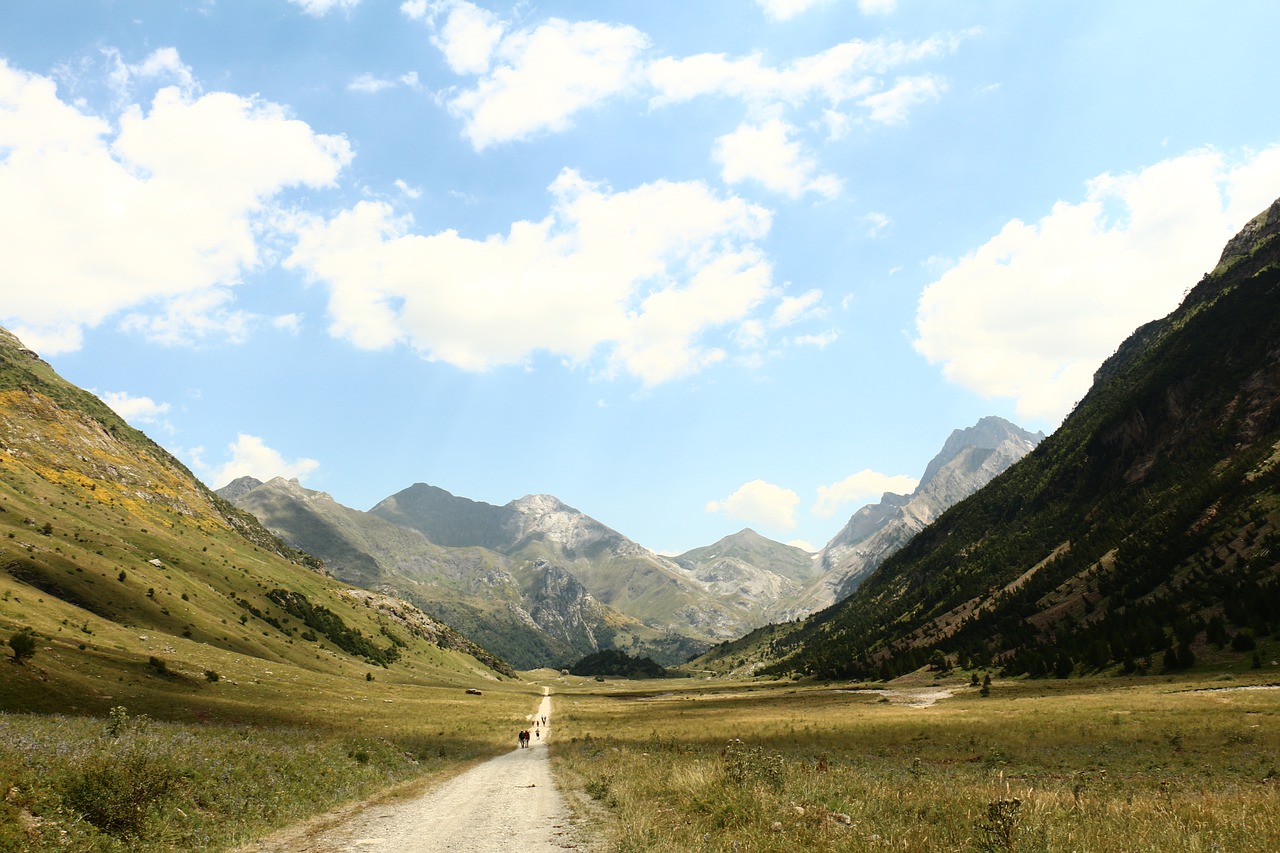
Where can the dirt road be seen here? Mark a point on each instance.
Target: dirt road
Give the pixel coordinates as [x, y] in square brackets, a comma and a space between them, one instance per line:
[507, 803]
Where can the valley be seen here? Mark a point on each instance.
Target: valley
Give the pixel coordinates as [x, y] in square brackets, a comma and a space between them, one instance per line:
[1067, 643]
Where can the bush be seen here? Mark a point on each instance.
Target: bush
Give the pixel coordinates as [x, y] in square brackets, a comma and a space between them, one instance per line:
[1243, 642]
[118, 790]
[23, 644]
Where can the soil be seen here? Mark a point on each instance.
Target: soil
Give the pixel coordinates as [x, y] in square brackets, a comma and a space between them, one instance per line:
[504, 804]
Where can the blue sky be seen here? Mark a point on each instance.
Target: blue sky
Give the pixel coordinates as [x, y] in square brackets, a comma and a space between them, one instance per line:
[689, 267]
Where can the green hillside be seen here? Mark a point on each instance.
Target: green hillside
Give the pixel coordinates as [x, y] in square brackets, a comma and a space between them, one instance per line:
[137, 581]
[1143, 535]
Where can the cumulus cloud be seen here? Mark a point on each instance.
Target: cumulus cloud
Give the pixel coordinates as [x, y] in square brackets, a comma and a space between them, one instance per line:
[860, 488]
[251, 457]
[760, 503]
[468, 38]
[542, 77]
[1033, 312]
[136, 410]
[638, 277]
[766, 153]
[156, 215]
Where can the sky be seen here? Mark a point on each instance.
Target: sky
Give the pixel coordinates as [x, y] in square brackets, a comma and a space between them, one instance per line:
[689, 267]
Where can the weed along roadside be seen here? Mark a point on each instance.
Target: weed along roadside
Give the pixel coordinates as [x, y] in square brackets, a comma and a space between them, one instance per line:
[1086, 764]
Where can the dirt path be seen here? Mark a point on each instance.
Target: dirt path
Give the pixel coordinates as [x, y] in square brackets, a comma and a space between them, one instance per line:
[507, 803]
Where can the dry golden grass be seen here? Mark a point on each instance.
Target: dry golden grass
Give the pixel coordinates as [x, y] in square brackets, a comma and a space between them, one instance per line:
[1066, 765]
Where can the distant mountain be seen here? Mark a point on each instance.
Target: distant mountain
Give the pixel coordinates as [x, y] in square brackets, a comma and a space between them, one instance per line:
[531, 612]
[747, 568]
[1142, 535]
[615, 570]
[970, 458]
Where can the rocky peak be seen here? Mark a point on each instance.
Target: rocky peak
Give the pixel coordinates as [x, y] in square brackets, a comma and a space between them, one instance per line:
[238, 487]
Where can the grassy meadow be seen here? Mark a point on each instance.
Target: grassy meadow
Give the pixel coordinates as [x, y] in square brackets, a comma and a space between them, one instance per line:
[226, 770]
[1141, 764]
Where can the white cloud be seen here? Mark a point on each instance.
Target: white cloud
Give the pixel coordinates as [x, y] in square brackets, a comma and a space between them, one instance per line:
[876, 222]
[639, 277]
[892, 105]
[370, 84]
[157, 217]
[136, 410]
[821, 341]
[1033, 312]
[251, 457]
[792, 309]
[320, 8]
[542, 77]
[860, 488]
[766, 153]
[469, 37]
[877, 7]
[161, 64]
[760, 503]
[785, 10]
[850, 71]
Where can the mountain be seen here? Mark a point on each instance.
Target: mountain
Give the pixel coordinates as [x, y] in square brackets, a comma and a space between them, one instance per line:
[1143, 534]
[615, 570]
[531, 612]
[748, 568]
[114, 554]
[969, 459]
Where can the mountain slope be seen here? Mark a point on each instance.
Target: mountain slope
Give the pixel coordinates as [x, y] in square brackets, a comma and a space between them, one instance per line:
[968, 460]
[1142, 533]
[115, 554]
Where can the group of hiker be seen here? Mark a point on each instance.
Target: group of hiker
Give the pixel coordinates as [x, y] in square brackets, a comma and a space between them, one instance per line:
[537, 732]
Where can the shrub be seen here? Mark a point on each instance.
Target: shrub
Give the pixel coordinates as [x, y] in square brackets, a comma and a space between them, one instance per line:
[118, 790]
[1243, 642]
[746, 765]
[23, 644]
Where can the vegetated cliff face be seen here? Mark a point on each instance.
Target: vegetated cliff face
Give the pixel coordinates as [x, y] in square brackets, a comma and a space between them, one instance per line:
[1141, 534]
[968, 460]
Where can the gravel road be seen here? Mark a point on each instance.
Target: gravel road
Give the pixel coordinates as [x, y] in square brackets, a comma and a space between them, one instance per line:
[506, 804]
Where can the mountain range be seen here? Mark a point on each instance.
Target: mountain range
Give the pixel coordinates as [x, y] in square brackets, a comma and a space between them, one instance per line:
[541, 583]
